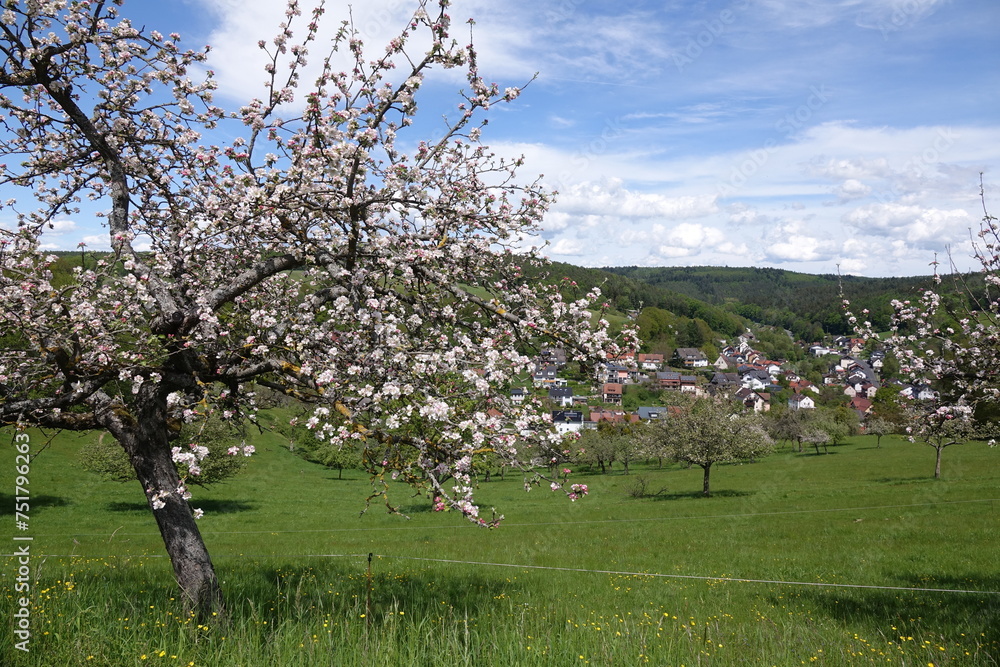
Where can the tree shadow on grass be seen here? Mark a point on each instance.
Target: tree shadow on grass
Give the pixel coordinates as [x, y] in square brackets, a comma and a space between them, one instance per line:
[940, 606]
[813, 454]
[278, 591]
[213, 506]
[343, 585]
[724, 493]
[916, 479]
[35, 502]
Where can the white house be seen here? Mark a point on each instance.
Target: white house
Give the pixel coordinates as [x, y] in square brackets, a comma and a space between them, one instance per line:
[801, 402]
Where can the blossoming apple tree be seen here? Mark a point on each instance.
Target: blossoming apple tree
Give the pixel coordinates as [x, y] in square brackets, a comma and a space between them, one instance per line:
[950, 338]
[327, 249]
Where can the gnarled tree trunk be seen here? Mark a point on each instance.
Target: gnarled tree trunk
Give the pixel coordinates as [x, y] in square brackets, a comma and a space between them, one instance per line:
[143, 434]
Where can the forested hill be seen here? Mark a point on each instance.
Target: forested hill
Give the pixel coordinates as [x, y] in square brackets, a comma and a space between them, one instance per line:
[808, 305]
[625, 293]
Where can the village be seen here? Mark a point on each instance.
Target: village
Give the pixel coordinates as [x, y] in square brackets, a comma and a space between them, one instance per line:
[739, 372]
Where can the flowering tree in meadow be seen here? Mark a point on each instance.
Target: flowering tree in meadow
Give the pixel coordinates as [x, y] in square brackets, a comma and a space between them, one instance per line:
[710, 431]
[953, 344]
[327, 252]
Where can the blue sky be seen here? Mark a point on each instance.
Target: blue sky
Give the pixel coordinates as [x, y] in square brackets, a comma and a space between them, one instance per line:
[799, 134]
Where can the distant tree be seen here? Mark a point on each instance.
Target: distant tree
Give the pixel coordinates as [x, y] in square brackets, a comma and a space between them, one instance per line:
[694, 334]
[624, 441]
[711, 431]
[594, 449]
[942, 427]
[655, 324]
[106, 458]
[889, 405]
[880, 427]
[826, 429]
[793, 426]
[337, 455]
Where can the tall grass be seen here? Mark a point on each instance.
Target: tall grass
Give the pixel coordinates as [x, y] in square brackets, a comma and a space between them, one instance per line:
[840, 559]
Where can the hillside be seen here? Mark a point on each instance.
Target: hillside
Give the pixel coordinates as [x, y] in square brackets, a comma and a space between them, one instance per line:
[808, 305]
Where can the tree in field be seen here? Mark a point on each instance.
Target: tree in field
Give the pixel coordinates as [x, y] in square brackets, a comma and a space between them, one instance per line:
[623, 441]
[594, 449]
[797, 427]
[880, 427]
[941, 428]
[336, 455]
[711, 431]
[951, 340]
[313, 242]
[216, 463]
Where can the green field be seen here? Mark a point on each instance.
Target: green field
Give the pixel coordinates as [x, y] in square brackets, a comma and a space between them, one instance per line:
[853, 557]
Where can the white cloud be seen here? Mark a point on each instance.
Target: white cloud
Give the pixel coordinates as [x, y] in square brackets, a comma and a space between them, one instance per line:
[62, 226]
[853, 189]
[567, 247]
[924, 227]
[798, 248]
[610, 197]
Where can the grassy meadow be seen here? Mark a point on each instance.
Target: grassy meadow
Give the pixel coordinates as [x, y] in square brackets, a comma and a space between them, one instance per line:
[854, 557]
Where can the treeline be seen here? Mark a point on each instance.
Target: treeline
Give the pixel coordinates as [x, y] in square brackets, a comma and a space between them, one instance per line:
[625, 293]
[807, 305]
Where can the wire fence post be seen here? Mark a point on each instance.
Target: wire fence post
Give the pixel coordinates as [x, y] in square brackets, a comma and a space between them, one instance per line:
[368, 599]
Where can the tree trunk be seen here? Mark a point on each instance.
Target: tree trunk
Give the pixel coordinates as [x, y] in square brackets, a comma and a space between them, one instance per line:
[705, 490]
[937, 463]
[144, 437]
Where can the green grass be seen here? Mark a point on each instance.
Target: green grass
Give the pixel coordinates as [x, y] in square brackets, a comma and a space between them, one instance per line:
[835, 547]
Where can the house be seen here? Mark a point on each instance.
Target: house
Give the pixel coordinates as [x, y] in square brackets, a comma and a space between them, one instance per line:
[612, 416]
[758, 402]
[650, 362]
[648, 414]
[861, 405]
[725, 379]
[801, 402]
[624, 357]
[689, 383]
[920, 392]
[772, 367]
[614, 372]
[668, 380]
[518, 394]
[799, 386]
[691, 357]
[544, 374]
[820, 350]
[756, 379]
[562, 396]
[567, 421]
[555, 356]
[726, 362]
[612, 393]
